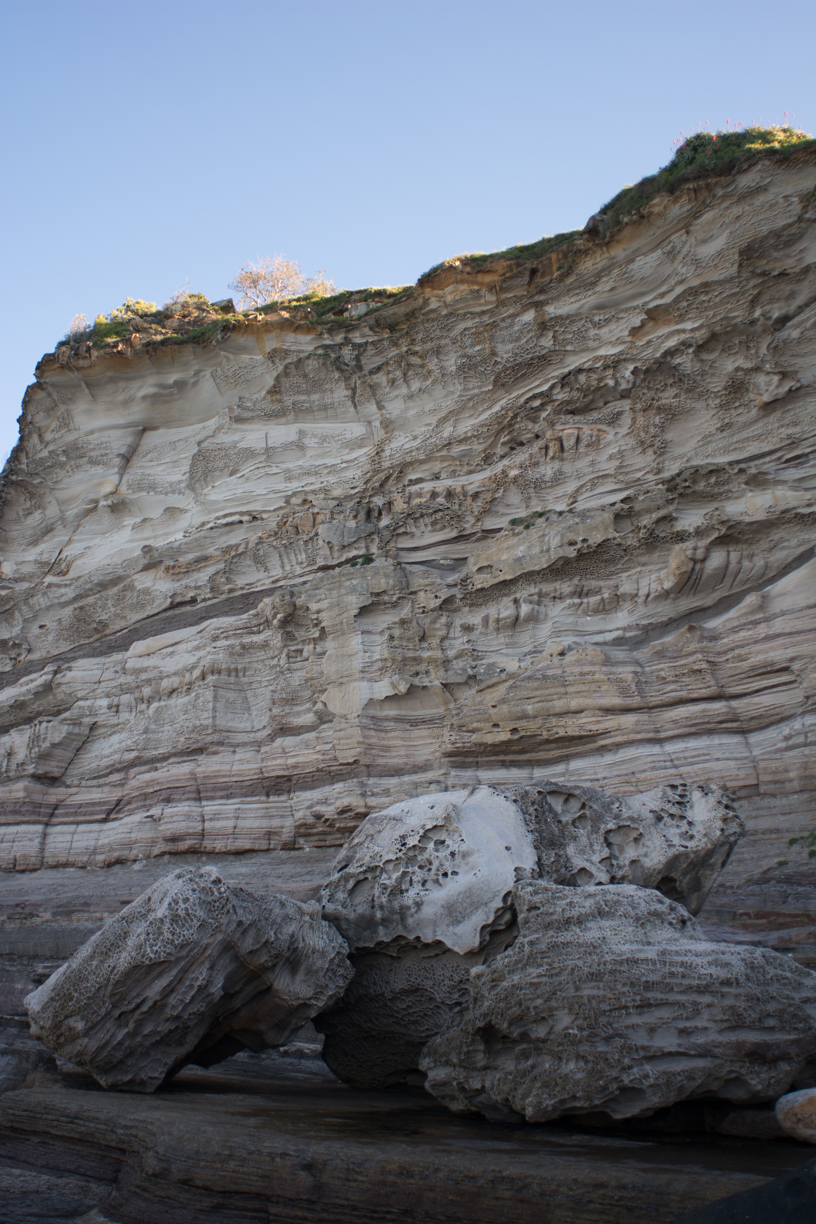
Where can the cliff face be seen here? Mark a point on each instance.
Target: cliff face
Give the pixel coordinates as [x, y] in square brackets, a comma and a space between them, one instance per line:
[544, 518]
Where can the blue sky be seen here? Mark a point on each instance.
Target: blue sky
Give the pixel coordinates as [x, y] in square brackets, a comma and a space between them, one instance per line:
[151, 146]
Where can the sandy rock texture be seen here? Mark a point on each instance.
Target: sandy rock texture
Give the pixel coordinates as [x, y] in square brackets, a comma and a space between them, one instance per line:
[675, 838]
[438, 868]
[612, 1000]
[423, 893]
[796, 1114]
[191, 971]
[579, 499]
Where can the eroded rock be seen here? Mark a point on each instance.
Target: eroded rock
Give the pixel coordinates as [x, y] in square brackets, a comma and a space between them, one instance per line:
[191, 971]
[675, 838]
[422, 893]
[612, 1000]
[440, 867]
[796, 1114]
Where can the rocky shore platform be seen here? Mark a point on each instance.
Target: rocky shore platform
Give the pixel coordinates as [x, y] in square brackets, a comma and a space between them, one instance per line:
[270, 1137]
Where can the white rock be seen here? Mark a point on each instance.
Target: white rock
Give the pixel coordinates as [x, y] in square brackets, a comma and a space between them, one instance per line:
[438, 868]
[191, 971]
[613, 1000]
[676, 838]
[796, 1114]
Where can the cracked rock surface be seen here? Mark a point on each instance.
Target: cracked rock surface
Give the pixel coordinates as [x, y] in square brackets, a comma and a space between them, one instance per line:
[612, 1000]
[191, 971]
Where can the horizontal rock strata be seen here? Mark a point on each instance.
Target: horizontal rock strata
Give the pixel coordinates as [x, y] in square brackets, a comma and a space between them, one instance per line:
[191, 971]
[296, 1148]
[579, 503]
[612, 1000]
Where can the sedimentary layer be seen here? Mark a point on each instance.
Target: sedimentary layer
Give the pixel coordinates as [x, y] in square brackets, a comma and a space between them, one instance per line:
[531, 520]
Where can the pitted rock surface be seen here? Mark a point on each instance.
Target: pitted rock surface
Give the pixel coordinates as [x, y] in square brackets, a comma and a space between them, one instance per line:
[612, 1000]
[397, 1001]
[438, 868]
[191, 971]
[676, 838]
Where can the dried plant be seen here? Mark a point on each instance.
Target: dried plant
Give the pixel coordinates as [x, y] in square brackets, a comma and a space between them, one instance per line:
[268, 280]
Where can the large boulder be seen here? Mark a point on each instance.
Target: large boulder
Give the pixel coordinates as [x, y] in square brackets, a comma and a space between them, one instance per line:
[676, 838]
[191, 971]
[612, 1000]
[440, 867]
[423, 894]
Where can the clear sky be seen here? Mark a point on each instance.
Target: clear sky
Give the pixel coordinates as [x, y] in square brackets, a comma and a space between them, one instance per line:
[150, 146]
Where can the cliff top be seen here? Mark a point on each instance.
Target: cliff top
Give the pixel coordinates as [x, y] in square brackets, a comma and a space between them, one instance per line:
[194, 319]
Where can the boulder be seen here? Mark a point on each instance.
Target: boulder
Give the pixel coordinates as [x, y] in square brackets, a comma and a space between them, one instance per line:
[612, 1000]
[421, 892]
[191, 971]
[796, 1114]
[675, 838]
[437, 868]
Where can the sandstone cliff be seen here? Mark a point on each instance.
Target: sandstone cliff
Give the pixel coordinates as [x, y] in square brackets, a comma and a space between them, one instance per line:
[530, 518]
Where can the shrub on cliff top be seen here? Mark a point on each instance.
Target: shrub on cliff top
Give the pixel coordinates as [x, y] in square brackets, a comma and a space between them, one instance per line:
[278, 279]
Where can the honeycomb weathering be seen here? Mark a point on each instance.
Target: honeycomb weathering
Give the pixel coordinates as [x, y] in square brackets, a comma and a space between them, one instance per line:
[612, 999]
[191, 971]
[587, 499]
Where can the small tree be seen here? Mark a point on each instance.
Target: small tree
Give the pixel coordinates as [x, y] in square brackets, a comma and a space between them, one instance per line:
[272, 280]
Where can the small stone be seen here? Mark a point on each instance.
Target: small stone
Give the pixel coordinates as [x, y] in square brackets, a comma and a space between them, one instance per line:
[796, 1114]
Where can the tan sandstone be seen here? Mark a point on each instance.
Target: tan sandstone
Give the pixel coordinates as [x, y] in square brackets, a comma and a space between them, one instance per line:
[192, 663]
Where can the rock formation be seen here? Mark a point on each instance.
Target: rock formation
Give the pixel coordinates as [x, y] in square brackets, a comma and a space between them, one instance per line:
[612, 1000]
[191, 971]
[796, 1113]
[675, 838]
[423, 894]
[439, 868]
[534, 517]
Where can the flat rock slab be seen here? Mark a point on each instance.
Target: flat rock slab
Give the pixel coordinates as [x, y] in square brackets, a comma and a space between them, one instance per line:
[293, 1144]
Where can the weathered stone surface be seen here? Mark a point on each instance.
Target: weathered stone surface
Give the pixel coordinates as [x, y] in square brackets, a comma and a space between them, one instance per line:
[421, 891]
[612, 1000]
[398, 999]
[191, 971]
[676, 838]
[438, 868]
[422, 886]
[796, 1114]
[279, 1142]
[177, 526]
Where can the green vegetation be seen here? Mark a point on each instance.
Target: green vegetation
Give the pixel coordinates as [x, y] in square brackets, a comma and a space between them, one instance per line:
[189, 318]
[706, 155]
[526, 522]
[367, 560]
[321, 307]
[808, 841]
